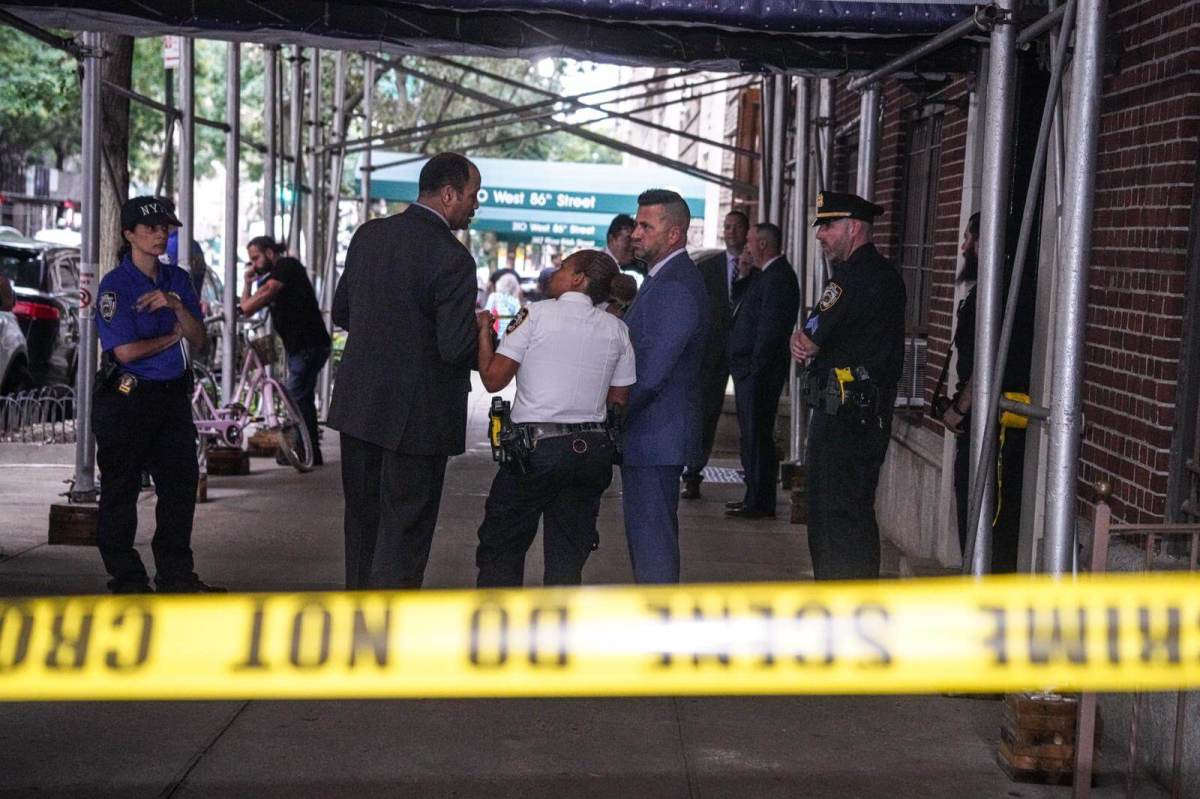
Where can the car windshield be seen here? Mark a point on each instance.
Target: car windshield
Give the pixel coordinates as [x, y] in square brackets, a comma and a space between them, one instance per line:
[22, 268]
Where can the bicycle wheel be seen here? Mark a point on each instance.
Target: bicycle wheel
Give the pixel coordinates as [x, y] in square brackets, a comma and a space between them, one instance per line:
[295, 444]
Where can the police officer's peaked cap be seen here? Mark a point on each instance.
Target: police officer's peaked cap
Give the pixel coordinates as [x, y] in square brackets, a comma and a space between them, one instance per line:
[833, 205]
[148, 211]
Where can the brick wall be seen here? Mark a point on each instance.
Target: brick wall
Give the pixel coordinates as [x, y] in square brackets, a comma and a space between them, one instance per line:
[1149, 123]
[1148, 146]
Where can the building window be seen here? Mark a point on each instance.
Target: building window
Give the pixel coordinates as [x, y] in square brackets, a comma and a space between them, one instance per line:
[922, 164]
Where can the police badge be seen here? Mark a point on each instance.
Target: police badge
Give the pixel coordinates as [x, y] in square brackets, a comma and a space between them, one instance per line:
[108, 305]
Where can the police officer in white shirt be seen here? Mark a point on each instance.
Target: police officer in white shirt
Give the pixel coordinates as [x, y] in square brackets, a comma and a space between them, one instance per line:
[571, 361]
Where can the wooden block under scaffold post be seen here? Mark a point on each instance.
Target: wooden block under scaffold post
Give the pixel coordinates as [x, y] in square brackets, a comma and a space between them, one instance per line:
[228, 461]
[1037, 738]
[73, 523]
[799, 500]
[264, 443]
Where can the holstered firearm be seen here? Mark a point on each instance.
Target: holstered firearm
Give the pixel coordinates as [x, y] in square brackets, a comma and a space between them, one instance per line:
[846, 391]
[510, 444]
[107, 372]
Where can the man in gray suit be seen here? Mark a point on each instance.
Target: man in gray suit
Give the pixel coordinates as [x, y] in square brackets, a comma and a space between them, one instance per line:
[407, 300]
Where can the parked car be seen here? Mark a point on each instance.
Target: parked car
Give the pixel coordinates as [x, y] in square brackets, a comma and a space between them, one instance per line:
[45, 280]
[14, 361]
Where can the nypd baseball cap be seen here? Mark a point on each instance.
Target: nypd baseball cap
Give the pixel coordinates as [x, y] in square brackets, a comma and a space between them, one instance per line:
[147, 211]
[832, 205]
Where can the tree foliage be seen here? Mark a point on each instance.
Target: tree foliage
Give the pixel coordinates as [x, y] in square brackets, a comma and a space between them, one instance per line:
[39, 101]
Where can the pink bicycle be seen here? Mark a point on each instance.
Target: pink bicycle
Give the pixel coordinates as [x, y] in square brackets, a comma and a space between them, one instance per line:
[259, 402]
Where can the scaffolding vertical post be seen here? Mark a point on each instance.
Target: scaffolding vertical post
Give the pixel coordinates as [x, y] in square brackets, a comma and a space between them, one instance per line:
[295, 122]
[312, 217]
[335, 196]
[764, 141]
[187, 152]
[799, 239]
[271, 101]
[1066, 403]
[368, 122]
[778, 111]
[233, 110]
[824, 170]
[997, 160]
[868, 141]
[84, 487]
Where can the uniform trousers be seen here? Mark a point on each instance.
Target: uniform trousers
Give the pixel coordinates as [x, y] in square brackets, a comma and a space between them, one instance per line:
[561, 487]
[149, 429]
[651, 505]
[757, 406]
[844, 459]
[392, 502]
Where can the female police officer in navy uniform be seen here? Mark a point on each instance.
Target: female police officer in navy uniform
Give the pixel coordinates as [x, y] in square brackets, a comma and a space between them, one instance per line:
[142, 409]
[571, 359]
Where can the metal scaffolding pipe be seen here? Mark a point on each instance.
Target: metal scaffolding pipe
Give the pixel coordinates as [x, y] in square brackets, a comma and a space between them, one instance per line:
[368, 121]
[83, 489]
[868, 141]
[997, 159]
[799, 240]
[1046, 23]
[824, 152]
[187, 155]
[295, 120]
[271, 101]
[233, 110]
[972, 24]
[312, 251]
[987, 468]
[778, 111]
[1070, 312]
[329, 271]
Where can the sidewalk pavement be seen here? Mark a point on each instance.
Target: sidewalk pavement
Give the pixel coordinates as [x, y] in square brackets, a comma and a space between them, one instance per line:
[277, 530]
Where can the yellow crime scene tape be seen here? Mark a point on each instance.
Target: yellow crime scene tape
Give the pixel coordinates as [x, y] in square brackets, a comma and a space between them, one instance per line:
[1114, 633]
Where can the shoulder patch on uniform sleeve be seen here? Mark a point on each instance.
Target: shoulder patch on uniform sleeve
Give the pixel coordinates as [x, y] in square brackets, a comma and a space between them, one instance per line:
[108, 305]
[829, 297]
[521, 316]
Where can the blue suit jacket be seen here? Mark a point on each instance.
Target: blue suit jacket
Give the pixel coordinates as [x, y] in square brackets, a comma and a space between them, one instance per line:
[667, 324]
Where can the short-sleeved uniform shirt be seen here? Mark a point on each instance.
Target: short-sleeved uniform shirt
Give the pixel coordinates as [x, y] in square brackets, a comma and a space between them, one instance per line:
[570, 352]
[859, 320]
[119, 323]
[294, 310]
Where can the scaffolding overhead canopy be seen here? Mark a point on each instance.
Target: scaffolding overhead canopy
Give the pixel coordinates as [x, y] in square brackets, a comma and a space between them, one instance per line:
[813, 36]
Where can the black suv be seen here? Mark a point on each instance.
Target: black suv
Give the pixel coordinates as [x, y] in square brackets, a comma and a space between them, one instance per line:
[45, 279]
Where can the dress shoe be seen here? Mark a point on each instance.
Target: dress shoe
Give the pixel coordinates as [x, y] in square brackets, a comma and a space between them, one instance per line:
[735, 505]
[691, 490]
[188, 586]
[749, 513]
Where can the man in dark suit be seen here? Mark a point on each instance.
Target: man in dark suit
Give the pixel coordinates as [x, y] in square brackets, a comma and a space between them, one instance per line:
[719, 272]
[407, 299]
[667, 324]
[763, 319]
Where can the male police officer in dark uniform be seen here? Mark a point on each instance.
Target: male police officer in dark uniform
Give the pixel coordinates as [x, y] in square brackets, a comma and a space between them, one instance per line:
[853, 343]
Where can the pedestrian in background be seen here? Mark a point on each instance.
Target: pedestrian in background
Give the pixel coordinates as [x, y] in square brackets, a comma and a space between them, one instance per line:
[720, 272]
[504, 303]
[763, 320]
[283, 285]
[407, 301]
[142, 412]
[667, 323]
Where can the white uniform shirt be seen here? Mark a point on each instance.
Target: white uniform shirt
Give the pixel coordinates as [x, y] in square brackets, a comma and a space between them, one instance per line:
[570, 353]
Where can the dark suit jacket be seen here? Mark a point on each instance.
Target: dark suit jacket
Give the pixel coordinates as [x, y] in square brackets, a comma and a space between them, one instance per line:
[763, 321]
[715, 364]
[667, 325]
[407, 300]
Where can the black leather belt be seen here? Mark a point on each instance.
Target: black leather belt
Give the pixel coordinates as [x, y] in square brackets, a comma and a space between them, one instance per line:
[539, 430]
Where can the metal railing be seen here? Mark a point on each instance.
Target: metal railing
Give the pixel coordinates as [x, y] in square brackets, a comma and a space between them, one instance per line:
[42, 416]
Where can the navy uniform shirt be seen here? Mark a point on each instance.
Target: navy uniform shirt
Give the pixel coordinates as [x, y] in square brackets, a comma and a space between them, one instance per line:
[859, 320]
[118, 323]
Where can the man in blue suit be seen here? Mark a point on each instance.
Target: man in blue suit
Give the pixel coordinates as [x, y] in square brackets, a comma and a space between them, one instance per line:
[667, 324]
